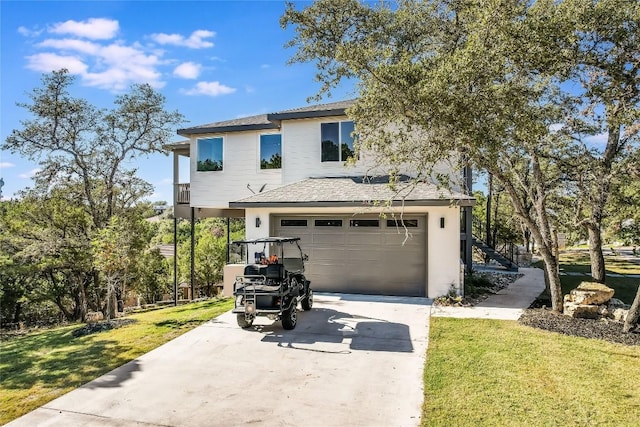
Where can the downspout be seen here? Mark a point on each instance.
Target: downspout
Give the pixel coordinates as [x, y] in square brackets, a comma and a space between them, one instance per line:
[175, 260]
[468, 221]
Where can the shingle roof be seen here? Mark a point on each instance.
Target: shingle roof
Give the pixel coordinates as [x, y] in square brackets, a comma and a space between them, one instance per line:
[243, 123]
[269, 121]
[352, 191]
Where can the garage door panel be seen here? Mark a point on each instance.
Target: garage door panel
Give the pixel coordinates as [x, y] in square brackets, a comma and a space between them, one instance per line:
[332, 238]
[364, 238]
[369, 260]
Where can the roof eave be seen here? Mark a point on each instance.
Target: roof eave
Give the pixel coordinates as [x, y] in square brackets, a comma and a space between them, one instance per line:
[306, 114]
[357, 203]
[224, 129]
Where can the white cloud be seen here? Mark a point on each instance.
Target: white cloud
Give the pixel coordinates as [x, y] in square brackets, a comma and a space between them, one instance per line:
[47, 62]
[92, 28]
[249, 89]
[210, 89]
[5, 165]
[600, 139]
[264, 66]
[555, 127]
[194, 41]
[113, 67]
[81, 46]
[187, 70]
[29, 174]
[28, 32]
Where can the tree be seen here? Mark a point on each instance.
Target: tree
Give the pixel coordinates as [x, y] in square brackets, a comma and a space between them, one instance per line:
[79, 144]
[597, 53]
[116, 249]
[439, 78]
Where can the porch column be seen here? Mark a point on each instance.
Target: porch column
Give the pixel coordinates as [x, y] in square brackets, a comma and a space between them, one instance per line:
[175, 260]
[193, 250]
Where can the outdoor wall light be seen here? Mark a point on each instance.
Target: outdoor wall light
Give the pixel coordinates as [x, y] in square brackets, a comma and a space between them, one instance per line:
[442, 222]
[258, 222]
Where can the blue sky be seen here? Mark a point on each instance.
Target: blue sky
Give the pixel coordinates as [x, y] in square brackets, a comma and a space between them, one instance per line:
[212, 60]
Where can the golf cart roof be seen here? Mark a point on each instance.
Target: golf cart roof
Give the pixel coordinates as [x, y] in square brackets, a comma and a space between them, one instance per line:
[268, 240]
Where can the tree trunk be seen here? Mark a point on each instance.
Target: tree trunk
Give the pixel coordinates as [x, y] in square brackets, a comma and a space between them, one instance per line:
[17, 312]
[634, 313]
[487, 224]
[552, 276]
[595, 253]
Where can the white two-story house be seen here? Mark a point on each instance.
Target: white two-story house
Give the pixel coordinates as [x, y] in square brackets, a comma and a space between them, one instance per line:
[285, 173]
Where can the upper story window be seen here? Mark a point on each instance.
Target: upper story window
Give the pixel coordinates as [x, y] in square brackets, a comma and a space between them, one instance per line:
[271, 151]
[337, 141]
[209, 154]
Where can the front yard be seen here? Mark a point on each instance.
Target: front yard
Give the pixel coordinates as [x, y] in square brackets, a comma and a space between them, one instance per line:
[500, 373]
[623, 273]
[41, 366]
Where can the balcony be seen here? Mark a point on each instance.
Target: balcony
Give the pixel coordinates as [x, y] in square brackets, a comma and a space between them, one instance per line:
[183, 194]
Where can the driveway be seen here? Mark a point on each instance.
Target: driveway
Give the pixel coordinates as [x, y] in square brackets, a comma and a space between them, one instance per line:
[353, 360]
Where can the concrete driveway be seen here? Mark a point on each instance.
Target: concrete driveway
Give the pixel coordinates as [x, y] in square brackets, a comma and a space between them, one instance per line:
[351, 361]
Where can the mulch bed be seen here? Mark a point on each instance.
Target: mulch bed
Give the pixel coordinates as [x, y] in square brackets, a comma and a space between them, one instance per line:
[105, 325]
[608, 330]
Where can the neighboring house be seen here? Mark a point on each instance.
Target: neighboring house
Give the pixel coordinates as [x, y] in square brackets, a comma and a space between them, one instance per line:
[285, 174]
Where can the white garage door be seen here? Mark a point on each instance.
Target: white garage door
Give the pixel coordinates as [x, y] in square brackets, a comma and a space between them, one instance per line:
[358, 254]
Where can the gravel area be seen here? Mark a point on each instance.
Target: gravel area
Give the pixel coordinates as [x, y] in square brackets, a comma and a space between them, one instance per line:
[603, 329]
[495, 282]
[105, 325]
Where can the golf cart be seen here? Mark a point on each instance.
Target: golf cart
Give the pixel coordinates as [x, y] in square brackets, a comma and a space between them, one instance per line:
[273, 284]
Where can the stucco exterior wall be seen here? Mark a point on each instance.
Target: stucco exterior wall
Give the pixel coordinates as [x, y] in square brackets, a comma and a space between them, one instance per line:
[241, 166]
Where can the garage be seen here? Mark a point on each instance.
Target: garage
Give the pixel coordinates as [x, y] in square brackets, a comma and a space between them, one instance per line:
[361, 254]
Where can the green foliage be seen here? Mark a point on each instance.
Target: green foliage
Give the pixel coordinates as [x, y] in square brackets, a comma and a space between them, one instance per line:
[275, 162]
[84, 194]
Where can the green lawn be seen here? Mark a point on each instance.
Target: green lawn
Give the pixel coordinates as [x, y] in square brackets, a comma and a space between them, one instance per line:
[574, 261]
[500, 373]
[41, 366]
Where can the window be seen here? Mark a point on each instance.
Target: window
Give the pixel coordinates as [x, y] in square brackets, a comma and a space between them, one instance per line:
[364, 223]
[293, 222]
[328, 223]
[209, 154]
[337, 141]
[271, 151]
[409, 223]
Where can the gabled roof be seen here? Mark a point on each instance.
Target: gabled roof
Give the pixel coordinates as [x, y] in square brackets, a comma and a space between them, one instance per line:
[270, 120]
[354, 191]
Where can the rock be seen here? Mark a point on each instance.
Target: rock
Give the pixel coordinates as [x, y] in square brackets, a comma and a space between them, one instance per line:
[620, 314]
[94, 316]
[591, 293]
[603, 310]
[616, 303]
[585, 311]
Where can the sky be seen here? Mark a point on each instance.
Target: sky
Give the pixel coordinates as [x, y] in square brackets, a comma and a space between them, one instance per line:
[212, 60]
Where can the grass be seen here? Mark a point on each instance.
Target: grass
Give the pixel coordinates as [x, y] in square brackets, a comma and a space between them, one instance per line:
[37, 368]
[500, 373]
[574, 261]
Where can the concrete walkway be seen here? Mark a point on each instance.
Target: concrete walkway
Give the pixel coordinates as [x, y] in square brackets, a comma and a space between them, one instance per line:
[507, 304]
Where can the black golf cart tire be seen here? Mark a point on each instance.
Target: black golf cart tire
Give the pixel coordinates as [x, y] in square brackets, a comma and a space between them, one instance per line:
[243, 322]
[290, 318]
[307, 301]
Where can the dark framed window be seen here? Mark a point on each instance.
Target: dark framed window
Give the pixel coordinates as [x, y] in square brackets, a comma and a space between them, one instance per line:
[409, 223]
[209, 155]
[328, 223]
[337, 141]
[364, 223]
[293, 222]
[271, 151]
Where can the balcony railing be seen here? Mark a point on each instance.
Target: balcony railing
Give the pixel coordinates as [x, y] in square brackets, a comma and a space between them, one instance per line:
[183, 196]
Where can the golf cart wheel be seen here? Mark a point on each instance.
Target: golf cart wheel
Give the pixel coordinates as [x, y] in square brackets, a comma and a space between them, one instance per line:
[243, 322]
[290, 317]
[307, 302]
